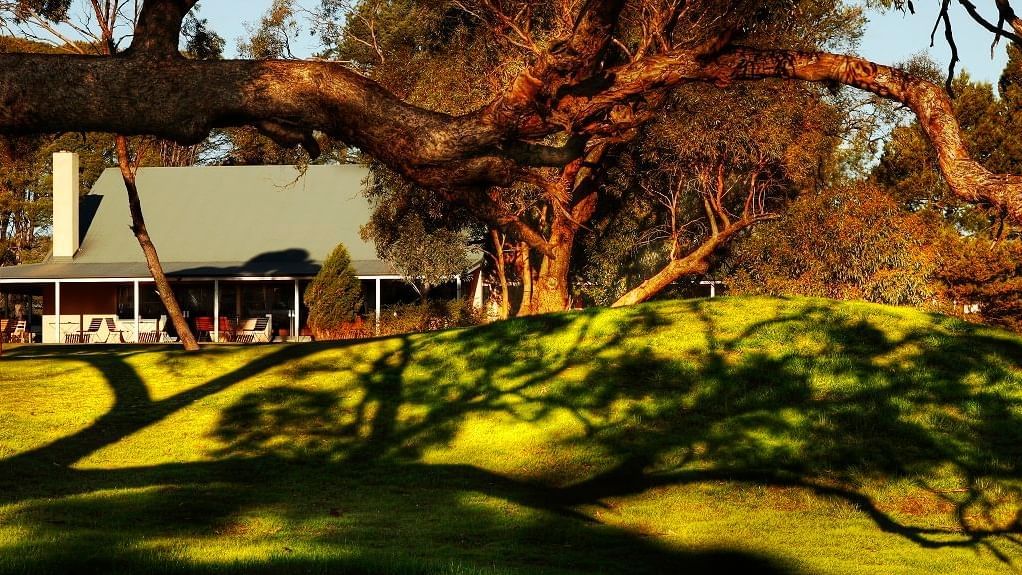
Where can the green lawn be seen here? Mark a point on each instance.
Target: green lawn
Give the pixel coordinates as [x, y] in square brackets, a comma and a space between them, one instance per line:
[762, 435]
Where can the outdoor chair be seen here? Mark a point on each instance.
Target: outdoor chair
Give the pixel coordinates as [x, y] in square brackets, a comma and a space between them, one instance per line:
[150, 331]
[203, 328]
[255, 330]
[92, 331]
[5, 326]
[21, 333]
[111, 328]
[227, 330]
[150, 337]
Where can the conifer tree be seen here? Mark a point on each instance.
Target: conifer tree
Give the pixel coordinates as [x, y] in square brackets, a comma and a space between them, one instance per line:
[334, 296]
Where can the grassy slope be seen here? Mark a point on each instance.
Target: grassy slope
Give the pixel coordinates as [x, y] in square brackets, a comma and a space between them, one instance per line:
[785, 436]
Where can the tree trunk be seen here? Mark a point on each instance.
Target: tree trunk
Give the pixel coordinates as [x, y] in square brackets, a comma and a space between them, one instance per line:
[151, 257]
[689, 265]
[550, 291]
[695, 262]
[525, 272]
[505, 295]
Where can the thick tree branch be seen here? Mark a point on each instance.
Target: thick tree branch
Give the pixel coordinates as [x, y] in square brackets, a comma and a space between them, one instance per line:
[183, 100]
[695, 262]
[574, 62]
[1006, 14]
[965, 176]
[567, 90]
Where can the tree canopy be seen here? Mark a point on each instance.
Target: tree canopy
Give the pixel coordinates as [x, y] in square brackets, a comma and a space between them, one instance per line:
[546, 95]
[586, 71]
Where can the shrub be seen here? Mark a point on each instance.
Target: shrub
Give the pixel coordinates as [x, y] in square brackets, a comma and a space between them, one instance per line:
[987, 273]
[334, 297]
[428, 316]
[842, 243]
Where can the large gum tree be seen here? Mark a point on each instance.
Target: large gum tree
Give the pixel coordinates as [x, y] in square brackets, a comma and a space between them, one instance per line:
[583, 83]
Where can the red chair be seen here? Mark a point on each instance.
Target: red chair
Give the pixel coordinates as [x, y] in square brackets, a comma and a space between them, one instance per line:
[227, 329]
[203, 326]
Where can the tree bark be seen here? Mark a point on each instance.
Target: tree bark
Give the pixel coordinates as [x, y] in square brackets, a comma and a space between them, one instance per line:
[695, 262]
[184, 99]
[550, 290]
[500, 262]
[151, 257]
[525, 272]
[1007, 14]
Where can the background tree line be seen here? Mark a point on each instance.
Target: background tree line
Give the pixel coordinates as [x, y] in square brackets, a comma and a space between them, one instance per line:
[898, 235]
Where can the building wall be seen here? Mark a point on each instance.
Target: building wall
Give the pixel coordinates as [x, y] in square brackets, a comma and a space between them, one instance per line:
[82, 298]
[48, 299]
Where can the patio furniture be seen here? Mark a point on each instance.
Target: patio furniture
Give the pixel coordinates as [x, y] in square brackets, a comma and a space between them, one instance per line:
[228, 329]
[5, 326]
[150, 337]
[203, 327]
[21, 333]
[93, 329]
[111, 328]
[150, 330]
[71, 330]
[127, 329]
[256, 329]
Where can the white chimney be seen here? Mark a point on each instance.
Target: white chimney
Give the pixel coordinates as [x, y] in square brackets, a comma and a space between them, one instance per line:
[65, 205]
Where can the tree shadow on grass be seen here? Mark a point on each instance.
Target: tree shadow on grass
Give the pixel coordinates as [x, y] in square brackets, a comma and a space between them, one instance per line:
[842, 409]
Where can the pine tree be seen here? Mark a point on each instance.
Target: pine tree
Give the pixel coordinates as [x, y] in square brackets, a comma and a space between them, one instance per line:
[334, 296]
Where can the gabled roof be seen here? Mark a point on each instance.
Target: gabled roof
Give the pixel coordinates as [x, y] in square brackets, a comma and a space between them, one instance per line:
[222, 221]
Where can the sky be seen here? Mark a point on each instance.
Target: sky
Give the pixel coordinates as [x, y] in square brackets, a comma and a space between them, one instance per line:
[890, 38]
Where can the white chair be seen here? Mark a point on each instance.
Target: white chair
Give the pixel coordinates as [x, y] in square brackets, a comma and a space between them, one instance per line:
[20, 332]
[148, 331]
[256, 329]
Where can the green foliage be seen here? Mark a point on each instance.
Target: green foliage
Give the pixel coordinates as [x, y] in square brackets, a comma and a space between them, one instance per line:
[434, 54]
[52, 10]
[653, 203]
[201, 43]
[334, 296]
[987, 273]
[455, 57]
[416, 230]
[980, 250]
[429, 315]
[846, 243]
[908, 167]
[272, 38]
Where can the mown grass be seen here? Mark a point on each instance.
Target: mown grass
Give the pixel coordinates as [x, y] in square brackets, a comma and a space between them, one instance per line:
[750, 434]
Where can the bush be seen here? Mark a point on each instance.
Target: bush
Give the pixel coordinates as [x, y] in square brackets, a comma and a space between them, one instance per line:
[334, 297]
[842, 243]
[986, 273]
[428, 316]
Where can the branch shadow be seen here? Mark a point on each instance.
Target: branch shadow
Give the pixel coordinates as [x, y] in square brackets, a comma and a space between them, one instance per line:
[845, 407]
